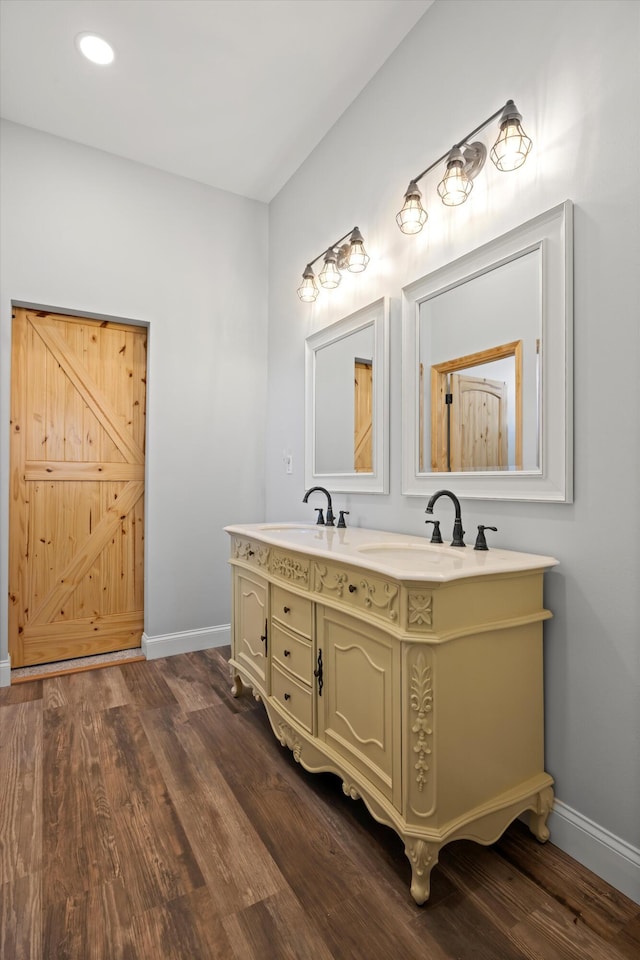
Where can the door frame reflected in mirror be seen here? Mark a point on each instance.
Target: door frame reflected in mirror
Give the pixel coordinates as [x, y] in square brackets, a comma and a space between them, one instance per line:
[376, 316]
[551, 234]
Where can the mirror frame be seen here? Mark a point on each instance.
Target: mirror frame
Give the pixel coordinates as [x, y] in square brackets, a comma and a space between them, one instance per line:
[551, 233]
[376, 314]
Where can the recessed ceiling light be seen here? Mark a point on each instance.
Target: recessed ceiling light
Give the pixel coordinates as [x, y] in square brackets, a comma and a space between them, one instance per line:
[94, 48]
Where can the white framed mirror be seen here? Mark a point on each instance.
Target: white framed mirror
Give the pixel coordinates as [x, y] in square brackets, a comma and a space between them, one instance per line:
[487, 360]
[347, 403]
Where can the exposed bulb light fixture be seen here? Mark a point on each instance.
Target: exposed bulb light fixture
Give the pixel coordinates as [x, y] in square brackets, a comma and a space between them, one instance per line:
[350, 256]
[512, 147]
[96, 49]
[308, 289]
[464, 162]
[413, 216]
[330, 276]
[355, 256]
[455, 186]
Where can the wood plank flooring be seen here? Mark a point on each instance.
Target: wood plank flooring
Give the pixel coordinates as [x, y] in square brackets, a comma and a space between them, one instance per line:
[145, 814]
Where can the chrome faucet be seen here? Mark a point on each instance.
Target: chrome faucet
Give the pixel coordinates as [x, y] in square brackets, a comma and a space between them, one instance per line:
[458, 532]
[330, 521]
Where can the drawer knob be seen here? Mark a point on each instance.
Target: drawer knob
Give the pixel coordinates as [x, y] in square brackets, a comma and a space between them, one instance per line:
[352, 588]
[250, 553]
[287, 653]
[287, 609]
[287, 696]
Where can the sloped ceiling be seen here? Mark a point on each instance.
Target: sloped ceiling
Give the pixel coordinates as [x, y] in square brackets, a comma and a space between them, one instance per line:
[232, 93]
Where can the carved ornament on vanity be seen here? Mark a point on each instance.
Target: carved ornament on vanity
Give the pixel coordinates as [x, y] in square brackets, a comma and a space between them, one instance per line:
[289, 738]
[334, 583]
[289, 568]
[389, 603]
[350, 790]
[422, 705]
[257, 552]
[420, 610]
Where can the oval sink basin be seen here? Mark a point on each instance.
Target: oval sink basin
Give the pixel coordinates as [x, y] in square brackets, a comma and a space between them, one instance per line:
[434, 549]
[288, 527]
[412, 554]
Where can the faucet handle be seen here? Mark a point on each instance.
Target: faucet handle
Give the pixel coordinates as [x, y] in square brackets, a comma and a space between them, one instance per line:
[481, 540]
[437, 536]
[320, 520]
[341, 521]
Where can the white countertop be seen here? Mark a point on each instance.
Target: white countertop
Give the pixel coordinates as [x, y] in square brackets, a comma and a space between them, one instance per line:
[397, 555]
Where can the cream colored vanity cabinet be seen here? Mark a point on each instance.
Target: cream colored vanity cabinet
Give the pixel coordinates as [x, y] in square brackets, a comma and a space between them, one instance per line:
[413, 672]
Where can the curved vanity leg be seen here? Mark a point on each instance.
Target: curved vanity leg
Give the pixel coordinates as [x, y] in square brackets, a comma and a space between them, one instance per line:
[350, 790]
[538, 817]
[236, 683]
[423, 857]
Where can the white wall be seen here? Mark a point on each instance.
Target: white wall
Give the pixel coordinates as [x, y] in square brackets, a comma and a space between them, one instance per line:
[86, 231]
[572, 68]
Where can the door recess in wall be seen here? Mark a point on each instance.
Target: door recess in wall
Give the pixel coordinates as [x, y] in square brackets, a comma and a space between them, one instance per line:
[76, 537]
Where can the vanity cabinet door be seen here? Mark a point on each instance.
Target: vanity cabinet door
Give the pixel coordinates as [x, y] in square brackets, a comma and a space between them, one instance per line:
[250, 627]
[359, 710]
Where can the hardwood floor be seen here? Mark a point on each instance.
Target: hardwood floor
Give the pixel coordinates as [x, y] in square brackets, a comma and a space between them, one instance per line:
[147, 815]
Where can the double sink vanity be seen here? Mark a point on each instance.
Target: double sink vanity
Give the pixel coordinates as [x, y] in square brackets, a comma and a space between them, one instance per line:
[413, 671]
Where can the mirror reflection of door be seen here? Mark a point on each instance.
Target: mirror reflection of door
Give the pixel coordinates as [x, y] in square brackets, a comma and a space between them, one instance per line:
[478, 437]
[476, 419]
[363, 416]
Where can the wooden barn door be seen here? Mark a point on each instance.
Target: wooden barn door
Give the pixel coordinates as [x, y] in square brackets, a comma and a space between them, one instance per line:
[76, 534]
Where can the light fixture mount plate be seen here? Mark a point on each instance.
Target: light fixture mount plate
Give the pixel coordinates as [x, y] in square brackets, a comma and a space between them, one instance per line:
[475, 155]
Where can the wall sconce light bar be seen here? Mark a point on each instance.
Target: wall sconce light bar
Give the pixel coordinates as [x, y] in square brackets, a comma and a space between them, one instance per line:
[464, 162]
[350, 256]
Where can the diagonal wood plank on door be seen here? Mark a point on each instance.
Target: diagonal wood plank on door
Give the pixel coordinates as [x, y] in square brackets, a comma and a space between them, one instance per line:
[70, 577]
[89, 390]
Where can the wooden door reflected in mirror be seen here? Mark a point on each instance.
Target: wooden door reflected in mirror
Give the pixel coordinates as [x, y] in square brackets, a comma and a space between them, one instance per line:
[476, 411]
[363, 415]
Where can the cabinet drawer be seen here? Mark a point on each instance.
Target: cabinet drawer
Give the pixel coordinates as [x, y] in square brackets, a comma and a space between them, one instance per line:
[292, 695]
[291, 652]
[358, 590]
[291, 610]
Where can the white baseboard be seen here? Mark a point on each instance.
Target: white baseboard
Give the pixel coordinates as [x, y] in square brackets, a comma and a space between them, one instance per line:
[187, 641]
[611, 858]
[5, 672]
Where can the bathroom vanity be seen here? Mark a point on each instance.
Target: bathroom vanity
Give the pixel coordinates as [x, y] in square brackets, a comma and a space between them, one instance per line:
[412, 671]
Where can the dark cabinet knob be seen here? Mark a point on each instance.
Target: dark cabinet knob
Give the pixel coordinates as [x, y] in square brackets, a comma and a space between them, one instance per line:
[250, 553]
[287, 609]
[352, 588]
[287, 696]
[287, 653]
